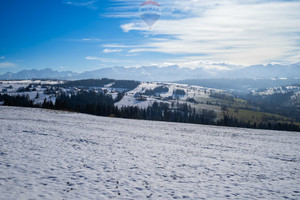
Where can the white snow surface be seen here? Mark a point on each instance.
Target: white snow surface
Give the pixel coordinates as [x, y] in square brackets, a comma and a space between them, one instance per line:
[129, 98]
[48, 154]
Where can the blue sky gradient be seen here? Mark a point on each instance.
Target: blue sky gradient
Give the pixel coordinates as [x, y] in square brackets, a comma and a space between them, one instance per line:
[82, 35]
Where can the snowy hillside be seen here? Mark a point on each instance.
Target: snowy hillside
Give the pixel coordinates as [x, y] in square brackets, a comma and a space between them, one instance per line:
[58, 155]
[39, 90]
[190, 92]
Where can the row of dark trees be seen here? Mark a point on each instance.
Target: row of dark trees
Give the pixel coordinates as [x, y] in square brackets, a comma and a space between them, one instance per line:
[277, 103]
[102, 105]
[159, 89]
[126, 84]
[178, 92]
[234, 122]
[222, 96]
[22, 101]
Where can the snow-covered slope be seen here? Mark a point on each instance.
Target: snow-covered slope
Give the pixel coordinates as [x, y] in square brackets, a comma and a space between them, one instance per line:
[131, 98]
[58, 155]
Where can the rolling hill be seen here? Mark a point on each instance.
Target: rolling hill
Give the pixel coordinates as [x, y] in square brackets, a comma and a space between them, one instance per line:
[59, 155]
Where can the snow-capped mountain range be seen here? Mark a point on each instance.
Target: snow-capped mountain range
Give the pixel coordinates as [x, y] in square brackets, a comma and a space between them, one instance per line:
[169, 73]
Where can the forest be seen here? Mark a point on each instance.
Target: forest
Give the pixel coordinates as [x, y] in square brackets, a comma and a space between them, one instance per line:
[126, 84]
[99, 104]
[277, 103]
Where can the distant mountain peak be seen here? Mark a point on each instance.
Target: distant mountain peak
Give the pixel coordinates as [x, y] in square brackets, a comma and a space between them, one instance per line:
[166, 73]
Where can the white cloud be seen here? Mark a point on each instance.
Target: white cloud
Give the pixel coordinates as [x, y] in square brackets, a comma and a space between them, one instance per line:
[115, 46]
[84, 3]
[196, 62]
[2, 57]
[8, 65]
[111, 50]
[246, 32]
[85, 40]
[93, 58]
[91, 40]
[105, 60]
[207, 64]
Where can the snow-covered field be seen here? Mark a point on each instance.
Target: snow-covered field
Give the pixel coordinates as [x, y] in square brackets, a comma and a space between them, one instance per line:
[58, 155]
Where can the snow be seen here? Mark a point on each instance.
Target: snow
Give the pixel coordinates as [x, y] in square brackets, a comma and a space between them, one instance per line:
[48, 154]
[15, 85]
[24, 83]
[129, 98]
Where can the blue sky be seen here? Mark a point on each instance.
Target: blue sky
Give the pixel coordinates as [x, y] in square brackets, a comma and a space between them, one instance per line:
[82, 35]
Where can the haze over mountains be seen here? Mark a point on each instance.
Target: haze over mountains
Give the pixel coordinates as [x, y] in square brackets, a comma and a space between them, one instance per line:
[169, 73]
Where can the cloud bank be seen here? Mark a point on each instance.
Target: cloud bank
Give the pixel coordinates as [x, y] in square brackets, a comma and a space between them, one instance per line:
[235, 31]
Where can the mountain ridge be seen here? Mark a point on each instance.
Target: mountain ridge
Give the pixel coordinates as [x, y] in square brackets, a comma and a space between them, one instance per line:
[154, 73]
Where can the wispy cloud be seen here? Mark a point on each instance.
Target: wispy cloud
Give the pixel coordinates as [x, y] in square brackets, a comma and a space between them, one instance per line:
[91, 40]
[192, 63]
[115, 46]
[8, 65]
[111, 50]
[236, 31]
[123, 9]
[93, 58]
[86, 3]
[85, 40]
[2, 57]
[105, 60]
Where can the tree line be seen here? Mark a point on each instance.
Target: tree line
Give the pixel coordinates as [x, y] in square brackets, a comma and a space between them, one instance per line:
[99, 104]
[102, 105]
[277, 103]
[126, 84]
